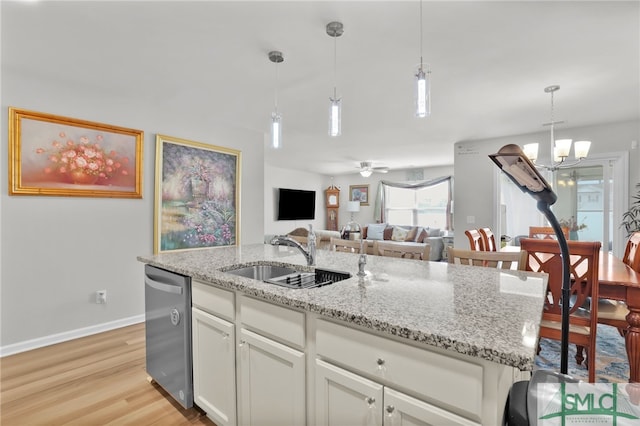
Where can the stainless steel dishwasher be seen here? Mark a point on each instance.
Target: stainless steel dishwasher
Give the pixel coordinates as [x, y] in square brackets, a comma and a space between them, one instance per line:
[167, 298]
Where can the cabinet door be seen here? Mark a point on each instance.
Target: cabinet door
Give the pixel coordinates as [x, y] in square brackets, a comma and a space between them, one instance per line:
[214, 380]
[344, 398]
[402, 410]
[271, 382]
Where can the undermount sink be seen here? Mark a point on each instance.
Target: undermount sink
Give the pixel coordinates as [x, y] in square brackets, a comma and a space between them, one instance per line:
[289, 277]
[261, 272]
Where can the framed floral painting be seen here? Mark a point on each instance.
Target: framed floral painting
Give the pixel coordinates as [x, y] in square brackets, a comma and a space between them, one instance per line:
[359, 193]
[55, 155]
[197, 201]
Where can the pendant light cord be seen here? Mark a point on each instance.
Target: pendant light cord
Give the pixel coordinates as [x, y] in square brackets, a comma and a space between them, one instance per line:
[335, 61]
[552, 137]
[421, 35]
[276, 91]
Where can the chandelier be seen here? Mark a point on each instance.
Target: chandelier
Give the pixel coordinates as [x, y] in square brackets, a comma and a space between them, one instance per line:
[559, 149]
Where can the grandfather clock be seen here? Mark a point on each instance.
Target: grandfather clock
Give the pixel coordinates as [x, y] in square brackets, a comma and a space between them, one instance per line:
[332, 197]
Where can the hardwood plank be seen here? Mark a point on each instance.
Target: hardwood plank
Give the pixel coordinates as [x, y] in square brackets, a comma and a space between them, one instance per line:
[95, 380]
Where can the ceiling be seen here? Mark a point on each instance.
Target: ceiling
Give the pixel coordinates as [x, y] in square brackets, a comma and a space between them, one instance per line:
[490, 63]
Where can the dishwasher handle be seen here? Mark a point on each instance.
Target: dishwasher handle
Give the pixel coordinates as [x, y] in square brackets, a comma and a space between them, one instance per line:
[168, 288]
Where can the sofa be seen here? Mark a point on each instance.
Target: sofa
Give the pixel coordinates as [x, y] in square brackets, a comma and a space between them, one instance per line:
[323, 236]
[400, 234]
[382, 232]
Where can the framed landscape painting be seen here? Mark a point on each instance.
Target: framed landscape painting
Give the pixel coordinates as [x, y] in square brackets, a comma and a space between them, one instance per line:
[359, 193]
[55, 155]
[197, 195]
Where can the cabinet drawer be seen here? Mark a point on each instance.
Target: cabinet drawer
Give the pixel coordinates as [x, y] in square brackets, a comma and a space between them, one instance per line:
[212, 299]
[445, 380]
[277, 322]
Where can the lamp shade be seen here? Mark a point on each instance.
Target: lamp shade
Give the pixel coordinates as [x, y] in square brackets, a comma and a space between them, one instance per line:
[353, 206]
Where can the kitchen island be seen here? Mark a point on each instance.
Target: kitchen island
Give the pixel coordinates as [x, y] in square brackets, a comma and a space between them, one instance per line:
[429, 340]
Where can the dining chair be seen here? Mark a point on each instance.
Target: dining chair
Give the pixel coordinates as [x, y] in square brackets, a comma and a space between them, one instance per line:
[345, 246]
[402, 250]
[491, 259]
[488, 239]
[543, 255]
[475, 239]
[546, 232]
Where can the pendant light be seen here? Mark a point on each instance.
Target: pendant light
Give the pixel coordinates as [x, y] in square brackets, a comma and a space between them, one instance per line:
[558, 148]
[276, 119]
[423, 83]
[335, 30]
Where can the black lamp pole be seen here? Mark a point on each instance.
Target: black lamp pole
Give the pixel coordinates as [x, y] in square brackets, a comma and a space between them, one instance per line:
[524, 174]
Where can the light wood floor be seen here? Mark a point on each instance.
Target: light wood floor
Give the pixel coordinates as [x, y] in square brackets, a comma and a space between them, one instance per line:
[96, 380]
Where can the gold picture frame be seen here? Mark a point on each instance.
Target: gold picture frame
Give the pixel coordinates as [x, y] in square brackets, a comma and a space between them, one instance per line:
[359, 193]
[197, 195]
[61, 156]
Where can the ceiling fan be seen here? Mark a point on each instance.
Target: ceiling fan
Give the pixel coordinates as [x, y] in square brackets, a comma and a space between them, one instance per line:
[366, 168]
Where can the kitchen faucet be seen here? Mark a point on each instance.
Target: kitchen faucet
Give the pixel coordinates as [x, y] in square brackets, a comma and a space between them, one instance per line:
[309, 254]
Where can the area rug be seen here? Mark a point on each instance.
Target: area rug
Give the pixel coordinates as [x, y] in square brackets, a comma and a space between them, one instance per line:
[611, 357]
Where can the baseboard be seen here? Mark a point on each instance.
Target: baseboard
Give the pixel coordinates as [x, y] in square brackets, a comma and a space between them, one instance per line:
[68, 335]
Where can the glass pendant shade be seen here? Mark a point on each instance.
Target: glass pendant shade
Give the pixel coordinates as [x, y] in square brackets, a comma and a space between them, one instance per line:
[276, 130]
[365, 173]
[335, 117]
[582, 149]
[562, 148]
[423, 95]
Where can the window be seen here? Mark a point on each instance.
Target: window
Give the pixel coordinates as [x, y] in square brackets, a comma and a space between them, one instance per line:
[426, 204]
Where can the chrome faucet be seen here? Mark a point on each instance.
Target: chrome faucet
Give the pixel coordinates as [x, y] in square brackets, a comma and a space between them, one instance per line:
[309, 253]
[362, 260]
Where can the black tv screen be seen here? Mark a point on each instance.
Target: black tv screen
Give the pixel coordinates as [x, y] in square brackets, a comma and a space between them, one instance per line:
[294, 204]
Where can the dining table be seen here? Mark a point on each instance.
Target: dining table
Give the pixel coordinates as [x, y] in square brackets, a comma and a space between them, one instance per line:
[618, 281]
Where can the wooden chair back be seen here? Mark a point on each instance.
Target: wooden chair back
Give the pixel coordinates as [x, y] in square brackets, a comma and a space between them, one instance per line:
[345, 246]
[546, 232]
[488, 239]
[491, 259]
[402, 250]
[632, 252]
[475, 239]
[543, 255]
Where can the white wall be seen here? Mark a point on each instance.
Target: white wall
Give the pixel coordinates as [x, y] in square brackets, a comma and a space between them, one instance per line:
[475, 173]
[57, 251]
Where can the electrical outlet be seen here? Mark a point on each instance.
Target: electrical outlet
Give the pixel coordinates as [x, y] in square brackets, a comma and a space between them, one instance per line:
[101, 297]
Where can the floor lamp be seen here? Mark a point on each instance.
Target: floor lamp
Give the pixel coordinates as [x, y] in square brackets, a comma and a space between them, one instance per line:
[523, 173]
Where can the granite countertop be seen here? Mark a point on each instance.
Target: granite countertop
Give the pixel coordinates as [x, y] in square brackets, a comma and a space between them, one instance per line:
[481, 312]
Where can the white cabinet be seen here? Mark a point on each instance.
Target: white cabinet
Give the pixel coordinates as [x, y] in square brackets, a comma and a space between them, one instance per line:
[214, 352]
[214, 384]
[271, 364]
[345, 398]
[271, 382]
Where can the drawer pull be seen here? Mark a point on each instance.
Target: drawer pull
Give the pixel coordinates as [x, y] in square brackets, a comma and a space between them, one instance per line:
[242, 343]
[390, 409]
[380, 361]
[225, 336]
[371, 401]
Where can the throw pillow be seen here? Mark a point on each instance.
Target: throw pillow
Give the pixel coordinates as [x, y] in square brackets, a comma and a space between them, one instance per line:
[411, 235]
[399, 234]
[364, 232]
[375, 231]
[421, 237]
[388, 232]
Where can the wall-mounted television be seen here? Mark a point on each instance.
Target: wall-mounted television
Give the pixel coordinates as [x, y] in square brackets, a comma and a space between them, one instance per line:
[295, 204]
